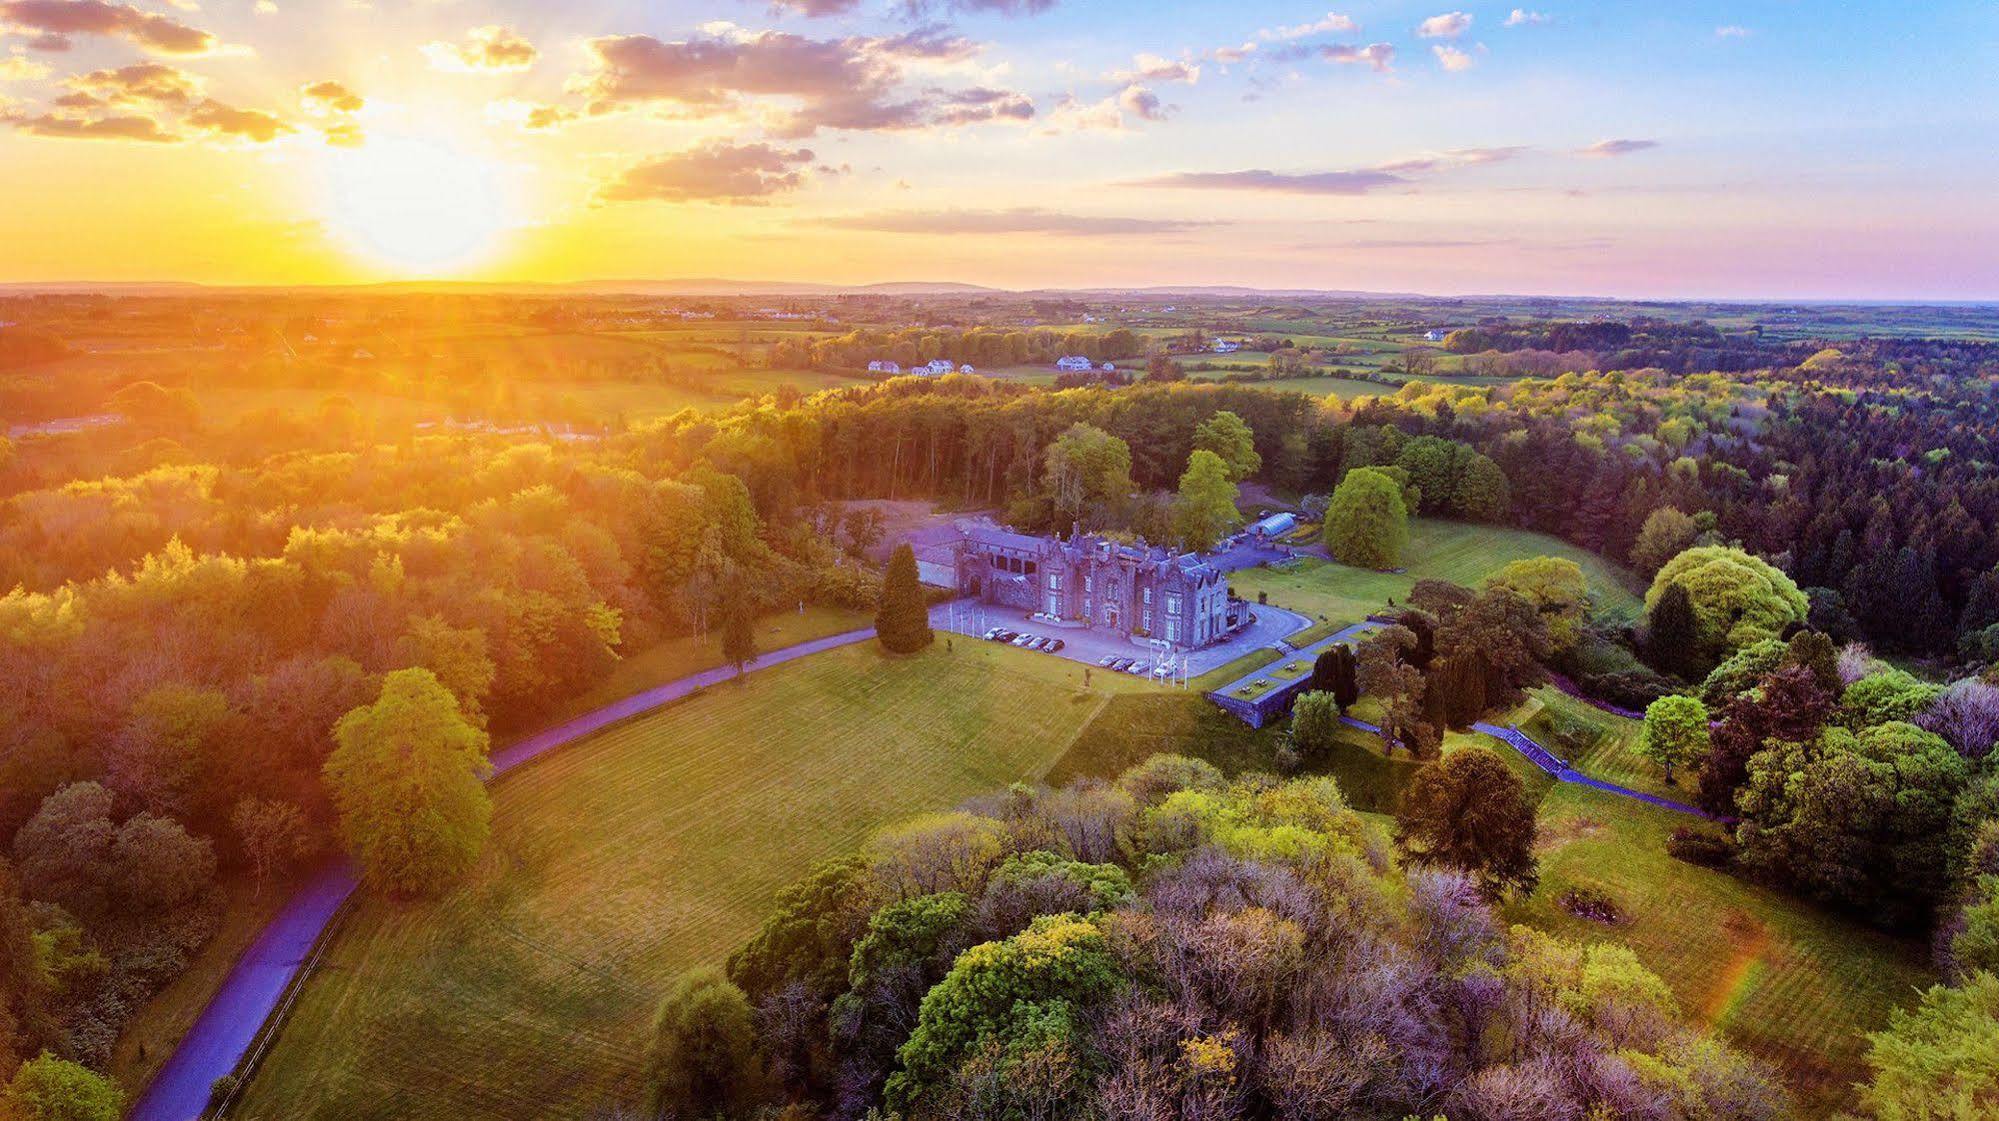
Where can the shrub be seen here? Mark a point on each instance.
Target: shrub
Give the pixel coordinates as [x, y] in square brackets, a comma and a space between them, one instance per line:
[1704, 847]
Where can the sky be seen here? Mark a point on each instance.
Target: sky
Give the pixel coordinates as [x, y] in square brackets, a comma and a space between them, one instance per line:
[1749, 149]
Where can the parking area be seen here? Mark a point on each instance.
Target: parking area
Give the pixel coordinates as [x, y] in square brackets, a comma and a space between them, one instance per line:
[1091, 645]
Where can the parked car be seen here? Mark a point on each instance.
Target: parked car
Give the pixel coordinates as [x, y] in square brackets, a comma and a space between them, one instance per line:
[1139, 669]
[1106, 660]
[1122, 664]
[993, 633]
[1008, 636]
[1162, 670]
[1023, 640]
[1054, 645]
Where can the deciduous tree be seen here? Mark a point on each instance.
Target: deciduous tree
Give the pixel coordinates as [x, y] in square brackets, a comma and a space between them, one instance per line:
[1229, 438]
[1367, 524]
[1471, 812]
[406, 777]
[1205, 509]
[1675, 733]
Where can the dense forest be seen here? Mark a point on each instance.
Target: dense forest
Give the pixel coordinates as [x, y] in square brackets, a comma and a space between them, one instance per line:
[199, 609]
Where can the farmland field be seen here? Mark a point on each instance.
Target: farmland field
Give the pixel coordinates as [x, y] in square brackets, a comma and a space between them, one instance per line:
[1457, 551]
[649, 848]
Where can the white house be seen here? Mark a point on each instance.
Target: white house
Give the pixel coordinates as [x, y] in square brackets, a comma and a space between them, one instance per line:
[1227, 346]
[882, 366]
[934, 367]
[1074, 362]
[1435, 335]
[967, 369]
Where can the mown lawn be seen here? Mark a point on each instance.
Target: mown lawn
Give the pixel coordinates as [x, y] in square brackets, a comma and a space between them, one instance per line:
[1782, 979]
[678, 657]
[651, 847]
[1599, 744]
[1134, 727]
[1456, 551]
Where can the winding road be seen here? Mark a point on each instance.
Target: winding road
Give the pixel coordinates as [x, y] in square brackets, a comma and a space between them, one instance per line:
[261, 978]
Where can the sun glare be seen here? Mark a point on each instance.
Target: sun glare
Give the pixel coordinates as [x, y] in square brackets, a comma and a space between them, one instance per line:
[417, 206]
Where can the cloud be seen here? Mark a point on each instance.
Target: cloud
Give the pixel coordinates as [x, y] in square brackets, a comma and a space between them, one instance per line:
[54, 22]
[322, 98]
[852, 83]
[489, 49]
[1381, 56]
[1450, 25]
[153, 83]
[918, 9]
[1332, 24]
[1451, 58]
[252, 125]
[815, 8]
[14, 68]
[1452, 158]
[528, 114]
[1604, 149]
[343, 134]
[979, 104]
[1274, 182]
[1521, 17]
[1019, 220]
[132, 126]
[1142, 103]
[1153, 68]
[1732, 31]
[716, 172]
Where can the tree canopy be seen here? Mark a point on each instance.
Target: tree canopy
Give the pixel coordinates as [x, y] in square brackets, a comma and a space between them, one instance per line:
[1367, 525]
[406, 776]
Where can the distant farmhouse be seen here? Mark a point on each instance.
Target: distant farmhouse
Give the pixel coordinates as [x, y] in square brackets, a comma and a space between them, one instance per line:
[1436, 335]
[1226, 346]
[1074, 362]
[936, 367]
[1133, 591]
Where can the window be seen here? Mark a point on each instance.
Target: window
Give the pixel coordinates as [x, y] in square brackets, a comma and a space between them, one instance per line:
[1148, 596]
[1089, 582]
[1173, 603]
[1172, 628]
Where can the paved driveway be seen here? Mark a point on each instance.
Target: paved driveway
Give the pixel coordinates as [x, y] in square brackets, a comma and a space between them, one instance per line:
[1090, 645]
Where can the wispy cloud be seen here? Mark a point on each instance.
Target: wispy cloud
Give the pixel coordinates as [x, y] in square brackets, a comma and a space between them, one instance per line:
[1607, 148]
[488, 49]
[54, 23]
[1521, 17]
[1333, 23]
[718, 172]
[1019, 220]
[1277, 182]
[1732, 31]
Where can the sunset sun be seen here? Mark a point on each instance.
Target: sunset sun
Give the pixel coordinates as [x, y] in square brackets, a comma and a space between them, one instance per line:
[416, 205]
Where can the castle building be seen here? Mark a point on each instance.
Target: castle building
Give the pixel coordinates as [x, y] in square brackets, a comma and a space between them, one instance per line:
[1136, 591]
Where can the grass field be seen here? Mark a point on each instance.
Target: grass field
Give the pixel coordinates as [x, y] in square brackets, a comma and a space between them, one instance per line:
[1598, 744]
[1457, 551]
[677, 657]
[651, 847]
[1780, 978]
[1134, 727]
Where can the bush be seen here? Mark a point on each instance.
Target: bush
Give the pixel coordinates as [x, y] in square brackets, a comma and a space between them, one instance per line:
[1704, 847]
